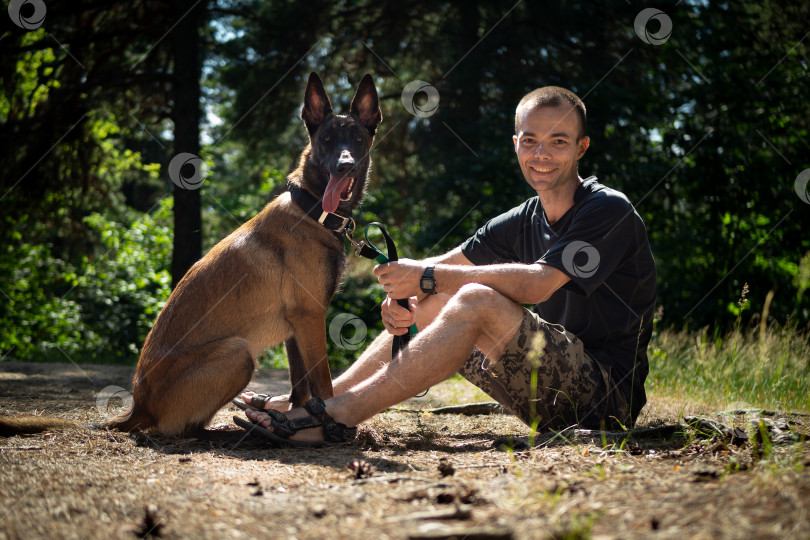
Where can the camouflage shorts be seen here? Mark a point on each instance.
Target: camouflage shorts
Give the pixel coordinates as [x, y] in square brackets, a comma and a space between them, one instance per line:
[546, 379]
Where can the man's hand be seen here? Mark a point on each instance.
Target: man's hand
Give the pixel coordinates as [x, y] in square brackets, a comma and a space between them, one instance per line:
[400, 279]
[397, 319]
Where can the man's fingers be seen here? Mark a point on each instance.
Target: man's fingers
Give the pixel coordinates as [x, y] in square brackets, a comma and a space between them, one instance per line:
[396, 316]
[401, 322]
[398, 311]
[395, 331]
[396, 319]
[382, 269]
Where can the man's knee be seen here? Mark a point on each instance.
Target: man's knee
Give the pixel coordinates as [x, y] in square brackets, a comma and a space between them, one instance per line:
[479, 301]
[475, 295]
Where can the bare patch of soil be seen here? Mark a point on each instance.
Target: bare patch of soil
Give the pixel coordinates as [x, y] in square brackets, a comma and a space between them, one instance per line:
[409, 475]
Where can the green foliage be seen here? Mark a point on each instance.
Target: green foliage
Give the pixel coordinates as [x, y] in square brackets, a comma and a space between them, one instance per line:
[801, 279]
[123, 290]
[234, 191]
[59, 86]
[575, 527]
[35, 322]
[97, 310]
[29, 93]
[705, 134]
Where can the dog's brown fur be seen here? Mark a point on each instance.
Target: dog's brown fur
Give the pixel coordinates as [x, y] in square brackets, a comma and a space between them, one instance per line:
[268, 282]
[34, 424]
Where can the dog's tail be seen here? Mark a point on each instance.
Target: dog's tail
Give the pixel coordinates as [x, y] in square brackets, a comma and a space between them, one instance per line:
[26, 425]
[129, 420]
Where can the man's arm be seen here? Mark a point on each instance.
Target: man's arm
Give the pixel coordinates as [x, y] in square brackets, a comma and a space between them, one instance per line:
[454, 257]
[522, 283]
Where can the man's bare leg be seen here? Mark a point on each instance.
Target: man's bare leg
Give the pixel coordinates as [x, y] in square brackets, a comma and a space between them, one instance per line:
[475, 316]
[376, 355]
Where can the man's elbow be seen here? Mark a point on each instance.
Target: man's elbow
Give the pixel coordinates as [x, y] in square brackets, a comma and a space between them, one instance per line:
[538, 296]
[548, 281]
[546, 296]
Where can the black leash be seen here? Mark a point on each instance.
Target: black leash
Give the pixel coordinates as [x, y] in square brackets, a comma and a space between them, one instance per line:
[365, 248]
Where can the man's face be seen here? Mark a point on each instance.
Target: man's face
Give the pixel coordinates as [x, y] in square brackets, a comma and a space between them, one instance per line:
[547, 147]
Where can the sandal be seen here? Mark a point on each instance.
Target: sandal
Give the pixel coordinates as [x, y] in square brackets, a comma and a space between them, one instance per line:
[284, 428]
[257, 402]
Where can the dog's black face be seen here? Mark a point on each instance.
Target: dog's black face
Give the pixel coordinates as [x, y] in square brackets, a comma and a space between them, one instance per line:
[337, 164]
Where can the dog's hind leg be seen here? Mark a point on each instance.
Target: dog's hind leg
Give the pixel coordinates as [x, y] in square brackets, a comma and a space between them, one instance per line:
[198, 382]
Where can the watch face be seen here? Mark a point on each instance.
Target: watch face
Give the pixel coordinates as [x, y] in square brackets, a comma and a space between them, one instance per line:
[426, 284]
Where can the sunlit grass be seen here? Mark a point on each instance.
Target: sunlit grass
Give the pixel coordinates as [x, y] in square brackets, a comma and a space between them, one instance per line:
[764, 367]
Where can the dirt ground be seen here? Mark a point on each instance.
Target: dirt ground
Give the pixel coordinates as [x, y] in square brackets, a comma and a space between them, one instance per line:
[389, 484]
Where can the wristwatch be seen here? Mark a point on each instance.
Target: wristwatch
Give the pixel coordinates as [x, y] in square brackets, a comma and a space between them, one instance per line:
[427, 283]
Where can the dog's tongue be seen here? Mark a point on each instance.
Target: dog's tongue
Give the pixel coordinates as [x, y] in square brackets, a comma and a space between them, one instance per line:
[331, 198]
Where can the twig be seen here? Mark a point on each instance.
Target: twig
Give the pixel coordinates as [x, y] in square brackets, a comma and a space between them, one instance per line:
[762, 412]
[470, 409]
[462, 511]
[392, 478]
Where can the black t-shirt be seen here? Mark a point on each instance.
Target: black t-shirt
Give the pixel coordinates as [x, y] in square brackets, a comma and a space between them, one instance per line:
[601, 244]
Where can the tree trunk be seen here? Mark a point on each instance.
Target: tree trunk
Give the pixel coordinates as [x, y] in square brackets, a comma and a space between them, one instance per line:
[186, 115]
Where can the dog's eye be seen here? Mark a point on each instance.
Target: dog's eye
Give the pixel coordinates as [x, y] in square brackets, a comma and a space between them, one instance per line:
[359, 138]
[325, 138]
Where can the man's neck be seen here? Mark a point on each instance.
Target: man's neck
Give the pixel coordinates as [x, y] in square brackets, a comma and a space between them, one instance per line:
[558, 201]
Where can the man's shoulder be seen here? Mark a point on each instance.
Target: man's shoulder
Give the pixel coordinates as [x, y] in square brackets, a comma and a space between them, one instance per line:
[599, 196]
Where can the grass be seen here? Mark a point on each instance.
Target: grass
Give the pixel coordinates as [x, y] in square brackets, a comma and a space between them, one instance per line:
[764, 366]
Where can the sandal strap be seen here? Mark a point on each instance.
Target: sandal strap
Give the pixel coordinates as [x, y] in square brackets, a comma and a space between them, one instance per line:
[258, 401]
[333, 431]
[285, 428]
[278, 416]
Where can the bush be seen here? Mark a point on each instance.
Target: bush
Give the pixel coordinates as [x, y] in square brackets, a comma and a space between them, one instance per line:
[99, 309]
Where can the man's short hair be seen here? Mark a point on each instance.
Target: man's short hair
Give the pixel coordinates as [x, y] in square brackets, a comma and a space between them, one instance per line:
[552, 96]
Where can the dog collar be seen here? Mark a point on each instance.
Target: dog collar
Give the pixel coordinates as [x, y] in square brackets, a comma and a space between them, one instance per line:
[312, 207]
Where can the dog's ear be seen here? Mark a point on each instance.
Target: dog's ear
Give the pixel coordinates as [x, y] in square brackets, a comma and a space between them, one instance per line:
[366, 104]
[316, 104]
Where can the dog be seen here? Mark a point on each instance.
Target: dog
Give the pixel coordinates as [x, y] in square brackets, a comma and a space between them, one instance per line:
[270, 281]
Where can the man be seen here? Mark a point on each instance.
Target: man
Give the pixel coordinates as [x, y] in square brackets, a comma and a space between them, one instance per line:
[578, 251]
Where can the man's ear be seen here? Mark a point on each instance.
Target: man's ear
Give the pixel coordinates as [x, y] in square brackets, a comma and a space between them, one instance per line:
[514, 140]
[316, 104]
[582, 146]
[366, 104]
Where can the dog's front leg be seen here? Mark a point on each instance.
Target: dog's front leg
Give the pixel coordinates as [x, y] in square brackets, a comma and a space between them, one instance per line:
[298, 374]
[309, 336]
